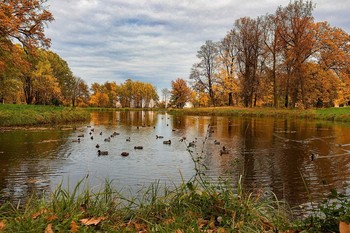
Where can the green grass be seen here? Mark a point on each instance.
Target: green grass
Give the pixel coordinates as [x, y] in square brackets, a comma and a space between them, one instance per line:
[186, 208]
[24, 115]
[332, 114]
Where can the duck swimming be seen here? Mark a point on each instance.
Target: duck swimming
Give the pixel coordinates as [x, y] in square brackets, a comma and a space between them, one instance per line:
[102, 152]
[167, 142]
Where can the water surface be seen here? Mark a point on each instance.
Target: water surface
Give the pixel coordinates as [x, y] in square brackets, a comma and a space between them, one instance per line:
[271, 154]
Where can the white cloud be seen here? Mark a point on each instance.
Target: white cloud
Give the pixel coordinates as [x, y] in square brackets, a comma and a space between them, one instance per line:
[153, 40]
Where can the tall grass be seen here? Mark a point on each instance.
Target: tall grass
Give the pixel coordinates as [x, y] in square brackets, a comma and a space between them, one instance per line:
[186, 208]
[21, 115]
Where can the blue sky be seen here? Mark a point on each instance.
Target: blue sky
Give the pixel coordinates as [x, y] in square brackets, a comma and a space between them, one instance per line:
[153, 41]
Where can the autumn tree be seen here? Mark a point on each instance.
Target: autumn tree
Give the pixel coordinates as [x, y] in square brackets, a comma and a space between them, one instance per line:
[204, 73]
[333, 54]
[25, 20]
[273, 51]
[124, 91]
[45, 86]
[79, 92]
[295, 30]
[67, 82]
[13, 66]
[149, 94]
[180, 93]
[248, 38]
[226, 71]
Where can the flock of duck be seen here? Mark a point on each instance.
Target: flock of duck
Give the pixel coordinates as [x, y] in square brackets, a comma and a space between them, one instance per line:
[108, 139]
[100, 152]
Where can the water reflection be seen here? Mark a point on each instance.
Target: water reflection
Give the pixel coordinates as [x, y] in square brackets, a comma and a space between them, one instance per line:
[271, 154]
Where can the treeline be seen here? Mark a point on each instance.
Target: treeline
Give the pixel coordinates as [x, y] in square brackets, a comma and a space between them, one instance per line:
[44, 78]
[285, 59]
[31, 74]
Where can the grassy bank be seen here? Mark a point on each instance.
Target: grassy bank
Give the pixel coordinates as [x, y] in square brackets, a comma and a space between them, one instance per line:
[23, 115]
[333, 114]
[187, 208]
[123, 109]
[190, 207]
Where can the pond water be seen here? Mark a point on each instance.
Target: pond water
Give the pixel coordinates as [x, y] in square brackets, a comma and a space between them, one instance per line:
[271, 154]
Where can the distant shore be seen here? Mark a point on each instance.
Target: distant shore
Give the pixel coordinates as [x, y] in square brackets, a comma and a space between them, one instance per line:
[329, 114]
[12, 115]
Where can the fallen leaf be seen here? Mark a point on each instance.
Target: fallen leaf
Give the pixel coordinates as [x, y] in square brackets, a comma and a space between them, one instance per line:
[221, 230]
[179, 231]
[140, 227]
[74, 227]
[51, 218]
[91, 221]
[2, 225]
[202, 223]
[37, 214]
[169, 221]
[48, 229]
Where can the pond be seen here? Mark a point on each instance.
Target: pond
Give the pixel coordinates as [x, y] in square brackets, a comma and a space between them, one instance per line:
[295, 159]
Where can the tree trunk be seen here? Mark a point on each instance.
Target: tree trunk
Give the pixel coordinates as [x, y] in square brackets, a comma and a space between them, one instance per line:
[230, 99]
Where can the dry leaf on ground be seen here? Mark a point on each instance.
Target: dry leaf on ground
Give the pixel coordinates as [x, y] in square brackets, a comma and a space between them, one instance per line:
[2, 225]
[37, 214]
[48, 229]
[92, 221]
[74, 227]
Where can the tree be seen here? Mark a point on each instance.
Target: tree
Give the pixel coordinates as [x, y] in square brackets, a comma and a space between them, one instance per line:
[45, 86]
[295, 30]
[67, 82]
[24, 20]
[273, 45]
[248, 38]
[226, 74]
[99, 99]
[180, 93]
[165, 93]
[204, 72]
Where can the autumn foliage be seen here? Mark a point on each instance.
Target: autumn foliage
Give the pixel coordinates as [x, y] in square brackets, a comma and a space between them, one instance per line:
[285, 59]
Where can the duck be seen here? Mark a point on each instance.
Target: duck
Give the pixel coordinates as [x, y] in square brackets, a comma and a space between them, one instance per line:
[107, 139]
[313, 156]
[128, 139]
[191, 144]
[80, 135]
[76, 140]
[138, 147]
[158, 136]
[101, 133]
[115, 134]
[92, 137]
[97, 146]
[167, 142]
[102, 152]
[216, 142]
[124, 153]
[224, 151]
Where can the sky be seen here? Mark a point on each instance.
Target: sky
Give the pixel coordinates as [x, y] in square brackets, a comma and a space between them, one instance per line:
[154, 41]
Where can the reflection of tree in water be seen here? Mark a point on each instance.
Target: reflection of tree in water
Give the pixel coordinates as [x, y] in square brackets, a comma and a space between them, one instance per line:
[26, 160]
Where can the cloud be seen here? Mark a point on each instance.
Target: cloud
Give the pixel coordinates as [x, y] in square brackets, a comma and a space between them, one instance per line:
[153, 41]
